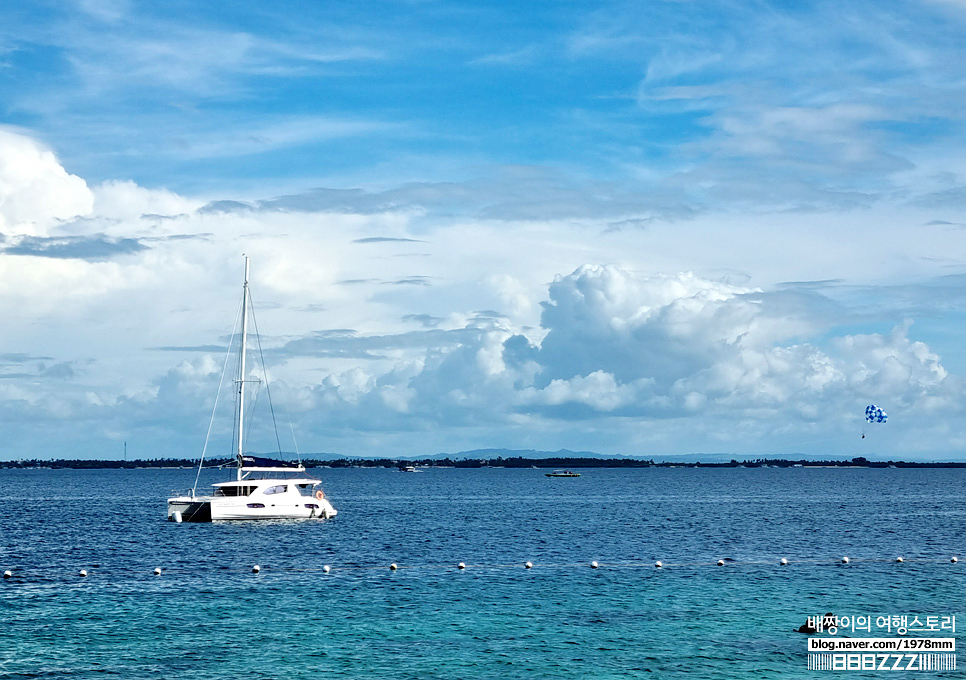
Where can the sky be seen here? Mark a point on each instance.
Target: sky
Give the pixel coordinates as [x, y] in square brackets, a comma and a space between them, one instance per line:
[644, 228]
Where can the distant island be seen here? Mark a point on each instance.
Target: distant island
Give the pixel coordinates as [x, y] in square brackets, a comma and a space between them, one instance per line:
[498, 461]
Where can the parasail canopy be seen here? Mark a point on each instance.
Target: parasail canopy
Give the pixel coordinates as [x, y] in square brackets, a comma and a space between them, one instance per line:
[874, 414]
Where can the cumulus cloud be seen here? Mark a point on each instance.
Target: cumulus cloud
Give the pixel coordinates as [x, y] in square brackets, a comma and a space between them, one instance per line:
[599, 391]
[601, 317]
[124, 200]
[892, 363]
[466, 332]
[638, 351]
[678, 344]
[36, 192]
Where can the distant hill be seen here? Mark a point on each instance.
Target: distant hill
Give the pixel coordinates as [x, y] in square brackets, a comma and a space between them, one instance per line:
[513, 453]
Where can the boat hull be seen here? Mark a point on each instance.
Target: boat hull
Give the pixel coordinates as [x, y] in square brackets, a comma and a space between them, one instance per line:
[208, 509]
[189, 509]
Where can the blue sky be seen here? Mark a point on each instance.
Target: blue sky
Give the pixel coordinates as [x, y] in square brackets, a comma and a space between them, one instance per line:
[643, 228]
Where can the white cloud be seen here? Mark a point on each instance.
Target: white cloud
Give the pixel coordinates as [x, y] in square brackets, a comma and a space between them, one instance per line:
[238, 137]
[514, 295]
[106, 10]
[126, 201]
[386, 325]
[599, 390]
[893, 364]
[637, 327]
[36, 192]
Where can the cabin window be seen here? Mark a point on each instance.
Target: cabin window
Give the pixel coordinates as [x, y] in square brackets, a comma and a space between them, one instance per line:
[234, 490]
[281, 488]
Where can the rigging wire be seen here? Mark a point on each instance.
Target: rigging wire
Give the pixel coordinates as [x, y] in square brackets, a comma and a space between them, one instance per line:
[221, 383]
[268, 389]
[241, 382]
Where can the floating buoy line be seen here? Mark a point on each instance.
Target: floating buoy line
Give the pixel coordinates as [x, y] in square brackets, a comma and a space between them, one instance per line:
[84, 573]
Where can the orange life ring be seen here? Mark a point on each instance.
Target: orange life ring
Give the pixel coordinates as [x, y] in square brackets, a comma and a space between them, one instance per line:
[319, 495]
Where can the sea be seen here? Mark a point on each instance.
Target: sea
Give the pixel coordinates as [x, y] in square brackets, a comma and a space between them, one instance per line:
[325, 601]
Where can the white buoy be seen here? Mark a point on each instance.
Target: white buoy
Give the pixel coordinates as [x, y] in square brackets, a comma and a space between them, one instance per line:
[954, 559]
[157, 571]
[845, 560]
[8, 574]
[720, 563]
[176, 516]
[898, 559]
[659, 564]
[393, 566]
[529, 565]
[326, 569]
[594, 565]
[461, 566]
[256, 569]
[783, 561]
[83, 573]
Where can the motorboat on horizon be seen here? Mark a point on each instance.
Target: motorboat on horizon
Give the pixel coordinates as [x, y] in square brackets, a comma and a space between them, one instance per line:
[562, 473]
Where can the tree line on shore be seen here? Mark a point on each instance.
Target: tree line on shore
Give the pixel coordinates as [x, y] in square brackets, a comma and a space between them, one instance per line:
[494, 462]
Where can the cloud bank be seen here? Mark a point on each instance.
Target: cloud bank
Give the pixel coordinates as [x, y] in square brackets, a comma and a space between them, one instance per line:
[118, 303]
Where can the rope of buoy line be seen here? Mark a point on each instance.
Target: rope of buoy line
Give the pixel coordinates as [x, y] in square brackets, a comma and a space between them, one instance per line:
[23, 574]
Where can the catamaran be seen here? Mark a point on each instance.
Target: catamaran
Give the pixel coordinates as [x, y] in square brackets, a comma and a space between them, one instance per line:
[263, 488]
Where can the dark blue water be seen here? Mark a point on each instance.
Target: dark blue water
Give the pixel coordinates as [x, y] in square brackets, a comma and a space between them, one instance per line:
[209, 616]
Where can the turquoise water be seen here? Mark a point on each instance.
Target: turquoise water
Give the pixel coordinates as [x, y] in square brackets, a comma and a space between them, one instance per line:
[208, 615]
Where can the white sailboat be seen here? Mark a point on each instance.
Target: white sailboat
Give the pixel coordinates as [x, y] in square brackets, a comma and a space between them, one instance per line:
[262, 488]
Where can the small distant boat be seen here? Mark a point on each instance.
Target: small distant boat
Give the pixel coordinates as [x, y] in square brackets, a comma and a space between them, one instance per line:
[562, 473]
[407, 468]
[262, 488]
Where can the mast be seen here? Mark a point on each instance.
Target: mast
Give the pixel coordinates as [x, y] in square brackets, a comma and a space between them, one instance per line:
[241, 370]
